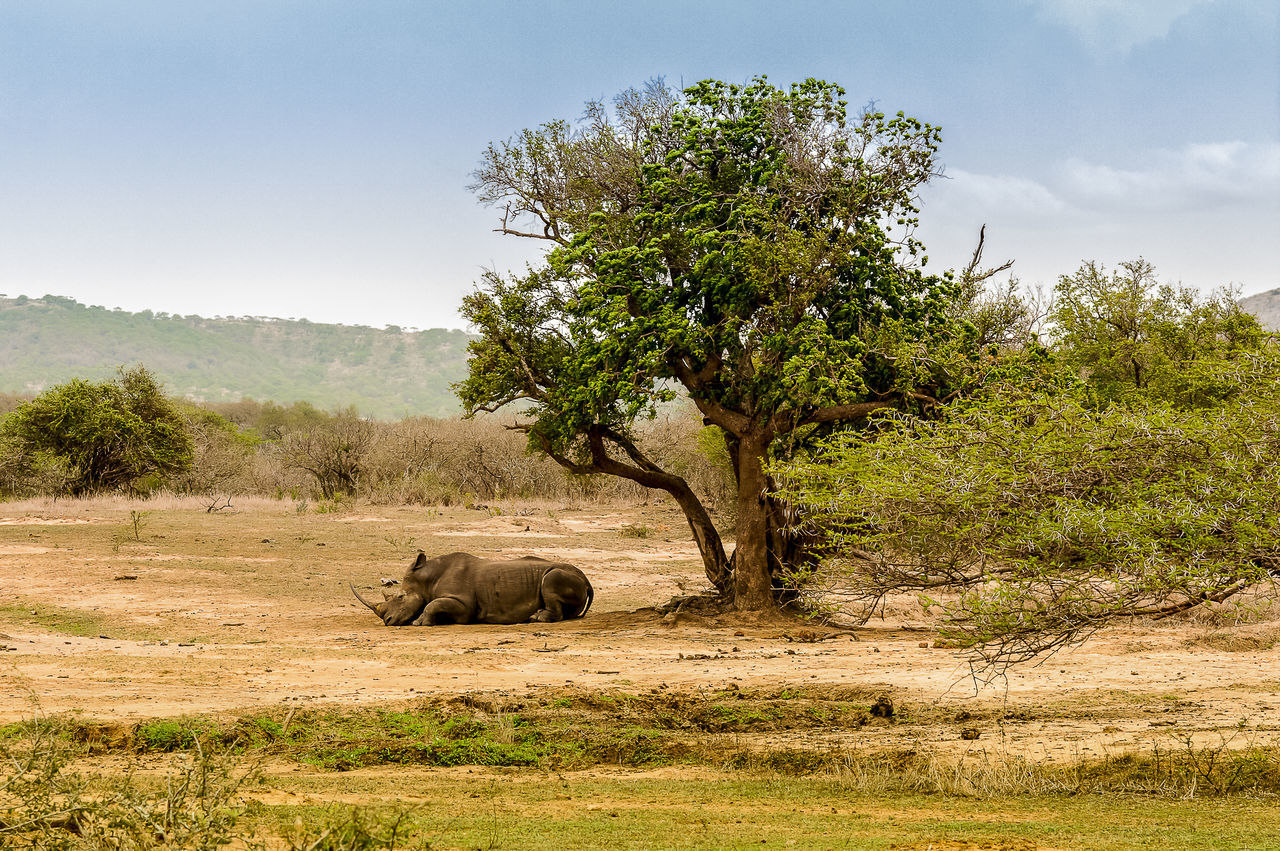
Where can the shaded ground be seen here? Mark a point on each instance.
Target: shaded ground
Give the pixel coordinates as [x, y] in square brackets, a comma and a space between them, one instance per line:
[187, 611]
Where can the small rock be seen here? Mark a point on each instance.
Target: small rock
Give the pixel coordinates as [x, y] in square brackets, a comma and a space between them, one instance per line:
[970, 733]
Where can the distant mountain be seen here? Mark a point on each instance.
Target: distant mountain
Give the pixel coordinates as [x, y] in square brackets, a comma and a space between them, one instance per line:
[1265, 306]
[385, 373]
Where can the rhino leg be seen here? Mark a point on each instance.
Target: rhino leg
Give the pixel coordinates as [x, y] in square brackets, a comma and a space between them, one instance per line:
[565, 594]
[444, 610]
[552, 613]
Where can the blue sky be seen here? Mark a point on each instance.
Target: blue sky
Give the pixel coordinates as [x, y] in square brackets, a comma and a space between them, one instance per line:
[310, 159]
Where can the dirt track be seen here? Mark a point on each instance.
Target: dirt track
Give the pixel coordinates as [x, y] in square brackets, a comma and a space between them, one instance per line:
[197, 612]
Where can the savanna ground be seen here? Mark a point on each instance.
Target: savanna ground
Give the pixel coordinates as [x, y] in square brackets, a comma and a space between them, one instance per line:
[143, 627]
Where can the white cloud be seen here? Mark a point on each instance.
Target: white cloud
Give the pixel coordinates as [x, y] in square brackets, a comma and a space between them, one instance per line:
[1115, 26]
[1205, 214]
[1004, 192]
[1197, 177]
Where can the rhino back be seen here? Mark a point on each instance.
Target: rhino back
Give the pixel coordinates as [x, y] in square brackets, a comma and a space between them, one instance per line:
[509, 591]
[448, 575]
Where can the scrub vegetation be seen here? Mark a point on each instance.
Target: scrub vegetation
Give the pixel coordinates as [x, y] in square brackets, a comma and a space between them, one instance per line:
[733, 316]
[210, 782]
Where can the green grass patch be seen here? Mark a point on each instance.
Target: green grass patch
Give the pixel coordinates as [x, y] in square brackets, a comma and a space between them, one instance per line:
[169, 735]
[730, 730]
[715, 791]
[60, 620]
[733, 810]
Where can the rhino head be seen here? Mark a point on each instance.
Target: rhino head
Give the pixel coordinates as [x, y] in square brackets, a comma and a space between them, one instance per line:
[395, 610]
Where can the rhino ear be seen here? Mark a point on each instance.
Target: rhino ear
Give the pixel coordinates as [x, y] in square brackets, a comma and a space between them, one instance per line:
[419, 561]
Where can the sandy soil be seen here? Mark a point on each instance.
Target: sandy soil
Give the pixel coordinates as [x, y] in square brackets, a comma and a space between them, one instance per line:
[190, 611]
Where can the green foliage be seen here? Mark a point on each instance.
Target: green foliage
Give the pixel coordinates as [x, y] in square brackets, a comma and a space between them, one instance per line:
[168, 735]
[1128, 469]
[750, 237]
[1131, 338]
[746, 245]
[1051, 517]
[116, 435]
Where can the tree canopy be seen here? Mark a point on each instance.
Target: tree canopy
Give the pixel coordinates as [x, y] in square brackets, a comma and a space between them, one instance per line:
[1132, 470]
[1133, 339]
[102, 436]
[747, 247]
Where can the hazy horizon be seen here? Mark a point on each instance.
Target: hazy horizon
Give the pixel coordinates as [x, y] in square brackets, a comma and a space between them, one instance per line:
[310, 159]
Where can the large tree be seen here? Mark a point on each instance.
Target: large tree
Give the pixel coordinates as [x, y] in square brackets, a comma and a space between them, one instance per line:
[748, 247]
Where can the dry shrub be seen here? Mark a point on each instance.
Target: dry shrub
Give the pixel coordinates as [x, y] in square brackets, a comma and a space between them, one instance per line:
[301, 453]
[423, 460]
[1257, 605]
[270, 476]
[679, 443]
[1238, 639]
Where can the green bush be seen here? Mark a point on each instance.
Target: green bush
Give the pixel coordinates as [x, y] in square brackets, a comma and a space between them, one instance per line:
[81, 438]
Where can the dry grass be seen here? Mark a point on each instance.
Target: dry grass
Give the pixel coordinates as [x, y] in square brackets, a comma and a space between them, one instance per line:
[45, 506]
[1238, 639]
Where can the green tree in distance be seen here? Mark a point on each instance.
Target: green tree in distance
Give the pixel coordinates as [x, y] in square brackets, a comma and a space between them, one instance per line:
[102, 436]
[1131, 338]
[748, 247]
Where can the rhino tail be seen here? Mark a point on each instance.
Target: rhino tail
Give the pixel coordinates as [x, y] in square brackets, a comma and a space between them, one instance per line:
[591, 595]
[363, 600]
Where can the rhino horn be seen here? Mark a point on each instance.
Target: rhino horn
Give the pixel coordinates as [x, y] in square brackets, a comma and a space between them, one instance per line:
[372, 606]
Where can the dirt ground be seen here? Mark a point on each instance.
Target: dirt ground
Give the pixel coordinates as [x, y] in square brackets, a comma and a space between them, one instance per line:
[118, 611]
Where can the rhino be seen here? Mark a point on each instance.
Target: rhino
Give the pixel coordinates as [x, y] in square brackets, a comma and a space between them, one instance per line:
[462, 588]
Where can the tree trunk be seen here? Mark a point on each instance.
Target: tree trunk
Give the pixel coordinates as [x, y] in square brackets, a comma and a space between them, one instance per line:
[752, 587]
[714, 560]
[646, 473]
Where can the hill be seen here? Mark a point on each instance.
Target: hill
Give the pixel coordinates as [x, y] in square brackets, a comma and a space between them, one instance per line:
[1265, 306]
[387, 373]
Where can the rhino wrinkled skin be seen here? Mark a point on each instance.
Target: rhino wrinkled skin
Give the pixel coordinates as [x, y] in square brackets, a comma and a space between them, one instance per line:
[462, 588]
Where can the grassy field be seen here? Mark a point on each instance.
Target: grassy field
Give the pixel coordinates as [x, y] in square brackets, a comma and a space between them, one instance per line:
[200, 678]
